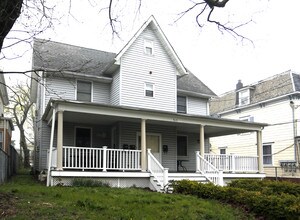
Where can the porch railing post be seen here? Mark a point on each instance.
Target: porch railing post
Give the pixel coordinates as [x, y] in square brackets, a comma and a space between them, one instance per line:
[197, 162]
[233, 162]
[104, 157]
[166, 176]
[221, 179]
[148, 159]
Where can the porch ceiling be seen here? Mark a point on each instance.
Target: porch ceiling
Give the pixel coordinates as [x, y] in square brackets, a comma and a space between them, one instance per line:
[96, 119]
[93, 113]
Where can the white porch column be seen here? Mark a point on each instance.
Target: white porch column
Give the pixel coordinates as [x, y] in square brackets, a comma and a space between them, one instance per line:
[59, 140]
[143, 145]
[201, 140]
[259, 151]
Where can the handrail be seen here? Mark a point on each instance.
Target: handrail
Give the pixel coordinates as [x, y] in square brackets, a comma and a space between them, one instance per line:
[157, 170]
[210, 172]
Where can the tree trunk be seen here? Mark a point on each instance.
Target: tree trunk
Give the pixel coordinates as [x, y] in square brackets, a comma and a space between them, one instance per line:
[24, 147]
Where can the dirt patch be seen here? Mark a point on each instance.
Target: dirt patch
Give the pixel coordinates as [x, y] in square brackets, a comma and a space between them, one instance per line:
[7, 205]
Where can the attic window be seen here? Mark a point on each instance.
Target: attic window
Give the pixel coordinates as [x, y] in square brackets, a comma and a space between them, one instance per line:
[148, 47]
[244, 97]
[149, 89]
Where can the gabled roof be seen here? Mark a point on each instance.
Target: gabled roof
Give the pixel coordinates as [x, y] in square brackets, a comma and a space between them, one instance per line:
[50, 55]
[163, 39]
[273, 87]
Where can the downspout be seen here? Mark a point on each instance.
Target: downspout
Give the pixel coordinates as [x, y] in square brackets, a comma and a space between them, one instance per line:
[294, 128]
[51, 145]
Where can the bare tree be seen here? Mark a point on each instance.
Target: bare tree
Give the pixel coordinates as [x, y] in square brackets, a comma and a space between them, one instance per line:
[21, 110]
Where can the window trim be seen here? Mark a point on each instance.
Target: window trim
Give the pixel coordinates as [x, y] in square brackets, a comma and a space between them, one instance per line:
[148, 44]
[186, 104]
[92, 89]
[91, 136]
[187, 144]
[145, 89]
[246, 98]
[267, 155]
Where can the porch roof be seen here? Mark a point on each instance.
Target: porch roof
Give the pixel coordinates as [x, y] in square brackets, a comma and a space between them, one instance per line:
[109, 114]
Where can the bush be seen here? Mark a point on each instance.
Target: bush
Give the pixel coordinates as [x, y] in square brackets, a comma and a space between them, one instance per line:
[271, 206]
[267, 186]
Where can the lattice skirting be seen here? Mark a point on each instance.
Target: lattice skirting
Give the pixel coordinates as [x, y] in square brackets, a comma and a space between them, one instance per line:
[120, 182]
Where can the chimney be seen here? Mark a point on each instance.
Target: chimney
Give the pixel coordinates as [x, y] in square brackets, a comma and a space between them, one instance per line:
[239, 85]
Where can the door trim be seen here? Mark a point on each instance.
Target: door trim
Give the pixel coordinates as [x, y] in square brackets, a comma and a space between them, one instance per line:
[138, 134]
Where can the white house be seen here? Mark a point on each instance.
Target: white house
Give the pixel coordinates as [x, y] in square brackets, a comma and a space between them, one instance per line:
[139, 111]
[275, 101]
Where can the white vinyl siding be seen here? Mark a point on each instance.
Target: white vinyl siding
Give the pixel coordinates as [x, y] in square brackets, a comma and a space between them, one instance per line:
[138, 68]
[115, 89]
[197, 106]
[101, 92]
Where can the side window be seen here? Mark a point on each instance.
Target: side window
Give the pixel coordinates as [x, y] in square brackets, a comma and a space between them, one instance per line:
[84, 91]
[267, 154]
[149, 89]
[148, 47]
[181, 145]
[222, 150]
[181, 104]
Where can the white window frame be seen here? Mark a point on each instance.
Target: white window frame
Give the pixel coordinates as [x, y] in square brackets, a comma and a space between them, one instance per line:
[92, 90]
[186, 104]
[244, 97]
[146, 88]
[148, 44]
[268, 155]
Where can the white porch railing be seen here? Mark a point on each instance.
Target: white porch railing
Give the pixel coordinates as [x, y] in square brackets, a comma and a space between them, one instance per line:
[233, 163]
[157, 170]
[100, 158]
[208, 170]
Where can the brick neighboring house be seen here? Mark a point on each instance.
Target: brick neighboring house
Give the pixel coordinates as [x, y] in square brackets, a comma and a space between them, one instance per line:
[274, 101]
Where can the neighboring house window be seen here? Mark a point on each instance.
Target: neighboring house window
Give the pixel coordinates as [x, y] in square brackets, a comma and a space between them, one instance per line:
[84, 91]
[181, 145]
[222, 150]
[247, 118]
[148, 47]
[181, 104]
[149, 89]
[1, 140]
[244, 97]
[267, 154]
[83, 137]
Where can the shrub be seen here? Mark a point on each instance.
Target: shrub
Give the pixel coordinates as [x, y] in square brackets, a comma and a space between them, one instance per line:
[271, 206]
[267, 186]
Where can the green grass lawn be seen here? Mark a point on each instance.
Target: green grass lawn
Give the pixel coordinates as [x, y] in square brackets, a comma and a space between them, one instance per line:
[24, 198]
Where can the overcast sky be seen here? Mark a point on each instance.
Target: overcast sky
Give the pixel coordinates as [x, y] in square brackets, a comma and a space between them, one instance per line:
[219, 60]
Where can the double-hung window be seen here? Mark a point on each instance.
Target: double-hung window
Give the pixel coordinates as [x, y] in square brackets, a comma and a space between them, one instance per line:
[1, 140]
[267, 154]
[149, 89]
[181, 104]
[84, 91]
[244, 97]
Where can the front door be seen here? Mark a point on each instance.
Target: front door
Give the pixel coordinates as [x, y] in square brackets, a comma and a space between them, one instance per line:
[153, 142]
